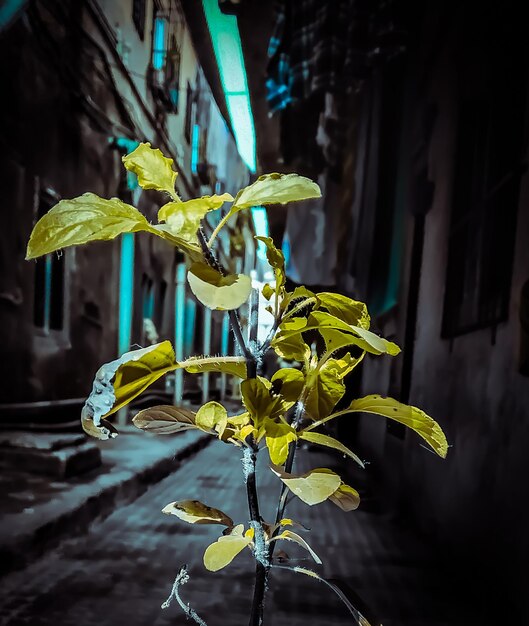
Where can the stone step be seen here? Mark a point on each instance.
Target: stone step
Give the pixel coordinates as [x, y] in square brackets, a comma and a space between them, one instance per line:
[57, 455]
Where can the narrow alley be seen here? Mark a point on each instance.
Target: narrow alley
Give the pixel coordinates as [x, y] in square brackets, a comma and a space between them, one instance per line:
[298, 227]
[122, 570]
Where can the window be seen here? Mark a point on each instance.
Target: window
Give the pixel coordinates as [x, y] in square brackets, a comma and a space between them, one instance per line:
[486, 185]
[159, 45]
[164, 71]
[48, 295]
[172, 78]
[138, 16]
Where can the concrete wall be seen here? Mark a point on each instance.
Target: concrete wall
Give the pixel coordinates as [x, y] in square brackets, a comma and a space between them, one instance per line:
[474, 504]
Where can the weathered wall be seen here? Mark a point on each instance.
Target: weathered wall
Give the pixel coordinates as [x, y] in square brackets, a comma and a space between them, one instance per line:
[474, 504]
[77, 76]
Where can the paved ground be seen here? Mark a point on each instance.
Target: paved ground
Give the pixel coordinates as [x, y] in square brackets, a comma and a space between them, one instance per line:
[122, 569]
[38, 510]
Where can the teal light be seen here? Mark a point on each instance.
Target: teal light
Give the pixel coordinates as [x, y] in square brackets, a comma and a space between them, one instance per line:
[47, 290]
[260, 222]
[158, 52]
[195, 144]
[9, 10]
[126, 292]
[228, 52]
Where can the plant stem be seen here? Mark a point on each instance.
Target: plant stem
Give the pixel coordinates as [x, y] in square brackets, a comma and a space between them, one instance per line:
[281, 505]
[262, 562]
[234, 320]
[218, 229]
[261, 550]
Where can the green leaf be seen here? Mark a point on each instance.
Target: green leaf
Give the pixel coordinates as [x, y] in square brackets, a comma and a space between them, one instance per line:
[330, 442]
[154, 171]
[184, 218]
[83, 219]
[278, 438]
[345, 497]
[276, 189]
[290, 536]
[410, 416]
[350, 311]
[212, 416]
[288, 382]
[312, 487]
[120, 381]
[225, 549]
[196, 512]
[216, 291]
[164, 420]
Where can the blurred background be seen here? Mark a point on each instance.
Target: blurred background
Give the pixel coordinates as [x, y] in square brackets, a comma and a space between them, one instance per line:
[412, 117]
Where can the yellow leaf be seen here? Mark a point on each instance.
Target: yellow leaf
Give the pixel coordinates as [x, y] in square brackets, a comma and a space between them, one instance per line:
[312, 487]
[216, 291]
[239, 420]
[260, 403]
[245, 432]
[276, 189]
[120, 381]
[410, 416]
[288, 382]
[345, 497]
[364, 339]
[91, 218]
[154, 171]
[232, 365]
[294, 298]
[212, 417]
[278, 438]
[330, 442]
[267, 291]
[83, 219]
[276, 260]
[378, 344]
[164, 420]
[326, 387]
[288, 342]
[196, 512]
[344, 308]
[184, 218]
[225, 549]
[290, 536]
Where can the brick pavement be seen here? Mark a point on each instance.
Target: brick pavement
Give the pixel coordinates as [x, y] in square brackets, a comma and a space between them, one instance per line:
[122, 569]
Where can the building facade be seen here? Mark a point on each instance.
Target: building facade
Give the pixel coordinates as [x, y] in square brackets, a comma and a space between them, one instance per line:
[86, 82]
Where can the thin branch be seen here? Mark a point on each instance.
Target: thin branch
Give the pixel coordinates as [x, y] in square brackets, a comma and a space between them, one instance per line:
[181, 579]
[234, 319]
[281, 506]
[262, 561]
[359, 618]
[218, 229]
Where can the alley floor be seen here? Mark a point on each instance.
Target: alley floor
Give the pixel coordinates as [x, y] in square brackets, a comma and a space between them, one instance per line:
[121, 571]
